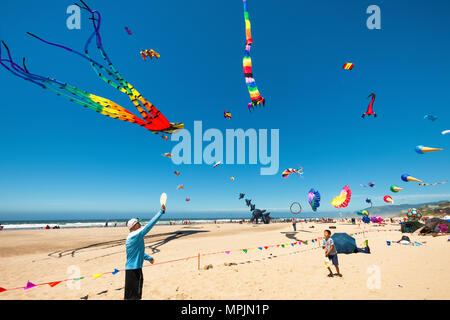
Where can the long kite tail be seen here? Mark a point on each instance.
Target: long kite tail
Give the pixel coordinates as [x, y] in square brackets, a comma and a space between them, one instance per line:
[95, 103]
[255, 96]
[153, 119]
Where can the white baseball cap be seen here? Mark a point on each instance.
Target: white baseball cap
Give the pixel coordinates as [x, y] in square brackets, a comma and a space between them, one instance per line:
[132, 222]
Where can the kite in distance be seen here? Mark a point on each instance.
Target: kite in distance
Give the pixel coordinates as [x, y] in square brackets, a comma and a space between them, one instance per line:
[348, 66]
[406, 177]
[241, 196]
[152, 119]
[288, 171]
[177, 173]
[421, 149]
[226, 115]
[149, 53]
[432, 184]
[430, 117]
[370, 107]
[370, 184]
[128, 31]
[216, 164]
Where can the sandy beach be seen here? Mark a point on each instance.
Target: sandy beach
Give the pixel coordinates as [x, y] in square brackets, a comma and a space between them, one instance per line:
[292, 272]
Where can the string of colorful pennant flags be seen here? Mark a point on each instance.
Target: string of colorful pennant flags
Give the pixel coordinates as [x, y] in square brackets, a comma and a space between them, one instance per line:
[52, 284]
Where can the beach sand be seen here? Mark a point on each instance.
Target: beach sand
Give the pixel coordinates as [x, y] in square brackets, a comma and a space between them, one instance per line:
[293, 272]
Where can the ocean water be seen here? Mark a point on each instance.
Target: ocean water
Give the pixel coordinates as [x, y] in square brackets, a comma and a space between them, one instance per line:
[195, 218]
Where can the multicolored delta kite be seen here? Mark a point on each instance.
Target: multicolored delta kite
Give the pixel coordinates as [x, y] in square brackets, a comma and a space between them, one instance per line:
[177, 173]
[348, 66]
[255, 96]
[153, 119]
[128, 31]
[149, 53]
[370, 107]
[226, 115]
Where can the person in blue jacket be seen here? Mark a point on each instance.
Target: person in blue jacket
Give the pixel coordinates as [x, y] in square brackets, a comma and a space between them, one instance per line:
[136, 255]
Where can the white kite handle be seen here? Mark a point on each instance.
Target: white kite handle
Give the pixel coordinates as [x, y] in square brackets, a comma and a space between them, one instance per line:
[163, 199]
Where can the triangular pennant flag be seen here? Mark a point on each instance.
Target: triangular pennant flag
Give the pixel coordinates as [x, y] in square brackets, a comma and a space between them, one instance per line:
[312, 240]
[278, 245]
[115, 271]
[245, 250]
[76, 279]
[97, 275]
[227, 252]
[52, 284]
[282, 245]
[2, 289]
[29, 285]
[259, 248]
[292, 244]
[266, 248]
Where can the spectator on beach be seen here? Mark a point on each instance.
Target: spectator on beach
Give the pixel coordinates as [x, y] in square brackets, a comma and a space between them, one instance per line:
[294, 224]
[47, 227]
[135, 248]
[330, 252]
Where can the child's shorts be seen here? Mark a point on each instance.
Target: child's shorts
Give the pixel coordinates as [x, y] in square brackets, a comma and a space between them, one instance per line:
[334, 259]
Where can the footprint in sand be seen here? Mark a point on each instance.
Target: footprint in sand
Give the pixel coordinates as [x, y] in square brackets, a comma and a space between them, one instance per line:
[84, 298]
[102, 292]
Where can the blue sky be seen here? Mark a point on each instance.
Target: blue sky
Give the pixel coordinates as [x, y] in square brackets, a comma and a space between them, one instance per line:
[61, 159]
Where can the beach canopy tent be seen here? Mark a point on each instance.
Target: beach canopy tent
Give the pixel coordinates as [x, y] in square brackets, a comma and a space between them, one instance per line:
[432, 225]
[344, 243]
[411, 226]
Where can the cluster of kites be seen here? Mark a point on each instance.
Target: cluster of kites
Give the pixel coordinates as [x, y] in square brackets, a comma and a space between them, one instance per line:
[153, 120]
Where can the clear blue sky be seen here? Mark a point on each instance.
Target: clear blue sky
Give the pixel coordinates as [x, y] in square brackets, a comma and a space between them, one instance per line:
[59, 158]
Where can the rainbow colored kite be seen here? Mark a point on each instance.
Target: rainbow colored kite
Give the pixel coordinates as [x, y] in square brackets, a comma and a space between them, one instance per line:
[153, 119]
[255, 96]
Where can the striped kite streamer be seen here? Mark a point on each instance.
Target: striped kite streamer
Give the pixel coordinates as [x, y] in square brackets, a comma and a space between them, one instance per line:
[255, 96]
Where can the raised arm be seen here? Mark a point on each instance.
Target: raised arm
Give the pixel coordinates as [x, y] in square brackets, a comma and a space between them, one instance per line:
[152, 222]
